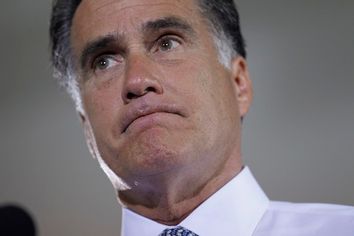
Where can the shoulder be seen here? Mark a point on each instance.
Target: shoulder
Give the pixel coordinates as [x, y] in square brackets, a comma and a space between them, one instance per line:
[308, 219]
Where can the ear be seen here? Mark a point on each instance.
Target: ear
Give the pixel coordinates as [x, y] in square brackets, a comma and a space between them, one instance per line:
[90, 138]
[243, 84]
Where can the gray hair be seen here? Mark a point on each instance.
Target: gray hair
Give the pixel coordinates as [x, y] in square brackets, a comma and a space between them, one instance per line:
[221, 15]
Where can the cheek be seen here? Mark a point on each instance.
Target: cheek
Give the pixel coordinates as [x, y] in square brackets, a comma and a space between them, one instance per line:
[202, 84]
[100, 106]
[194, 88]
[214, 95]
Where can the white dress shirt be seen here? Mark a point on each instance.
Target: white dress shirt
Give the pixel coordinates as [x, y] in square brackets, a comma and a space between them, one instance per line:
[241, 208]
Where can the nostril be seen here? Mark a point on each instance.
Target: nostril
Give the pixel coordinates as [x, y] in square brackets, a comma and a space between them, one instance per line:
[150, 89]
[131, 96]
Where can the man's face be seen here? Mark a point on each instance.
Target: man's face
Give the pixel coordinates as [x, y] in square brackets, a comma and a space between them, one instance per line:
[153, 89]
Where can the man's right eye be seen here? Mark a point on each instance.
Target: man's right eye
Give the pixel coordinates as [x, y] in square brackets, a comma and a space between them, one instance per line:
[104, 62]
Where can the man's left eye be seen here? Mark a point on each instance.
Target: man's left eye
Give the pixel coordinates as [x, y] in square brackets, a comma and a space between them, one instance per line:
[167, 44]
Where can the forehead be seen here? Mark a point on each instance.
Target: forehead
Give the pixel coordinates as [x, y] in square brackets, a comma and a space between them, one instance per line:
[96, 17]
[126, 5]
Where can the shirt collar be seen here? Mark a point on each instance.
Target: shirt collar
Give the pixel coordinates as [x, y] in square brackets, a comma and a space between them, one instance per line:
[235, 209]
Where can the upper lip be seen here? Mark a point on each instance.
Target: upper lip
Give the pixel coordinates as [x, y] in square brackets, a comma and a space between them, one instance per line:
[143, 109]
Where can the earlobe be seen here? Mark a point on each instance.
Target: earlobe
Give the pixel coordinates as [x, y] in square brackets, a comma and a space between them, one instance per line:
[243, 84]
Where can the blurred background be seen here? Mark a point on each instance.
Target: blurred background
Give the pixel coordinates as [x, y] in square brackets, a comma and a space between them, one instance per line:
[298, 137]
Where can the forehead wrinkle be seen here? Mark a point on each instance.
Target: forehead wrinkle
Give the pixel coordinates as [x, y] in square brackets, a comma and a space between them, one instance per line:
[101, 9]
[114, 2]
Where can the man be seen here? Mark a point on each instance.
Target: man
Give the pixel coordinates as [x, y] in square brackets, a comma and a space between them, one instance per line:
[162, 87]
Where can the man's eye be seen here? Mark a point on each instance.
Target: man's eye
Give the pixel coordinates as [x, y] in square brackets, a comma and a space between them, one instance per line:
[167, 44]
[104, 62]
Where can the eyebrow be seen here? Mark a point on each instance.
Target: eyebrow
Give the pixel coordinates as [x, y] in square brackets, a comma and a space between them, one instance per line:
[168, 22]
[96, 45]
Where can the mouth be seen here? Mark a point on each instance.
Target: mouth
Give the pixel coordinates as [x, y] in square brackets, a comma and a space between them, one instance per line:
[149, 114]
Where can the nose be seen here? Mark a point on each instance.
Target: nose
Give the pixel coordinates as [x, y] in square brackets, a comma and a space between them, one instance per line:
[140, 79]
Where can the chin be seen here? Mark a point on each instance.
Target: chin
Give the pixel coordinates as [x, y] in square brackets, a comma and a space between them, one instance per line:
[149, 152]
[152, 156]
[154, 159]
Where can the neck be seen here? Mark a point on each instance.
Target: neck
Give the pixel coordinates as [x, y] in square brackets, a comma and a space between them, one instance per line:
[169, 200]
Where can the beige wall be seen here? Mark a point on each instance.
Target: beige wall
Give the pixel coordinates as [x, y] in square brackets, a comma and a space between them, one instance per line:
[298, 137]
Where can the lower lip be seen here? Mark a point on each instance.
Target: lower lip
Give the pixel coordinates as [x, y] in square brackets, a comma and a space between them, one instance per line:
[162, 119]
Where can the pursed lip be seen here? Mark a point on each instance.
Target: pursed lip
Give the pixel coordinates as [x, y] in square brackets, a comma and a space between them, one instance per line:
[144, 109]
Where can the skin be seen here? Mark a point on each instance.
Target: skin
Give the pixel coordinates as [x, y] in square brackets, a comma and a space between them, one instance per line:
[164, 113]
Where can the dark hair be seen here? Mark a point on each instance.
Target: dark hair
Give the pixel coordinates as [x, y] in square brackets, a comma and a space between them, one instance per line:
[60, 25]
[222, 16]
